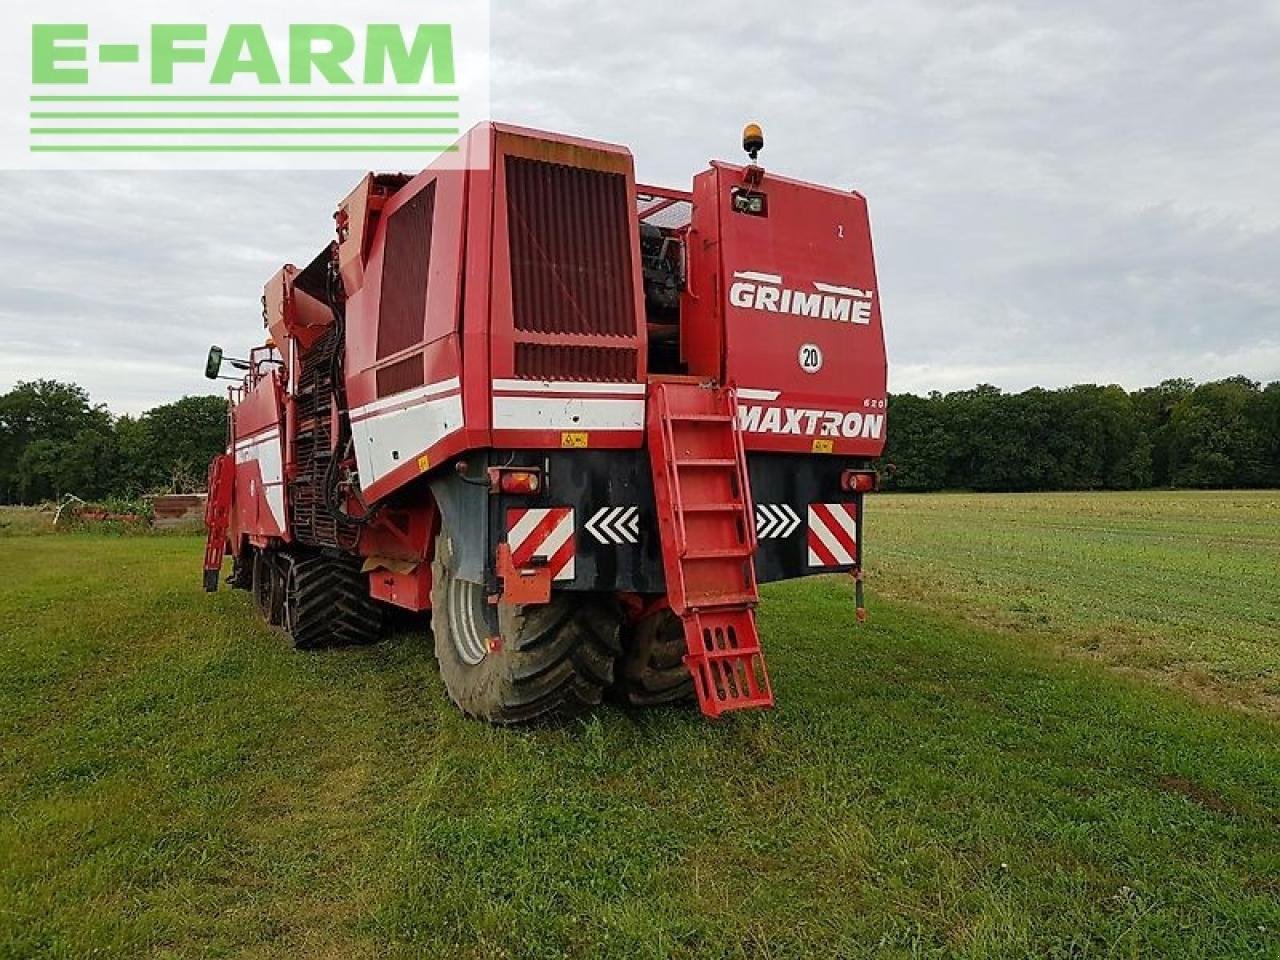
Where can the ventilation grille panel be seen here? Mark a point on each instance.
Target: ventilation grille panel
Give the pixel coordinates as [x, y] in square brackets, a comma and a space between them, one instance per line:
[406, 262]
[538, 361]
[570, 245]
[400, 376]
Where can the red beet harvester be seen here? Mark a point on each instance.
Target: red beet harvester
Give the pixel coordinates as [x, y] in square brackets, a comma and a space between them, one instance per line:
[577, 418]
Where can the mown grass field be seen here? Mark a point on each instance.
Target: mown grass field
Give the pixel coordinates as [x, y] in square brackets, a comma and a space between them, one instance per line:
[1179, 587]
[1056, 737]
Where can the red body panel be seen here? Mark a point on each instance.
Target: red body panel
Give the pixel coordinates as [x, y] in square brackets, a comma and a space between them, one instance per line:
[471, 391]
[260, 502]
[799, 278]
[405, 396]
[557, 229]
[762, 291]
[411, 591]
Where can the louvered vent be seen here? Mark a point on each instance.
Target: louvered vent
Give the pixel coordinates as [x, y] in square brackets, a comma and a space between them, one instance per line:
[400, 376]
[570, 249]
[538, 361]
[403, 310]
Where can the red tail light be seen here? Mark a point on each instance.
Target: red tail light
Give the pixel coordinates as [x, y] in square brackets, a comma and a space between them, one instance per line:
[519, 481]
[860, 481]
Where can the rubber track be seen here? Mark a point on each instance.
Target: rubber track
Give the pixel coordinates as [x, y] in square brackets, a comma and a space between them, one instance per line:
[357, 617]
[331, 604]
[309, 602]
[263, 587]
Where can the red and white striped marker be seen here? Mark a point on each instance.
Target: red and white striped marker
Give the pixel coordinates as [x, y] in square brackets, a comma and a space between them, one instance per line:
[833, 534]
[542, 535]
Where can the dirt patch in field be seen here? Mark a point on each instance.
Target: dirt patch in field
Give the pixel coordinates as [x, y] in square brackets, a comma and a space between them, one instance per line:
[1251, 698]
[1196, 793]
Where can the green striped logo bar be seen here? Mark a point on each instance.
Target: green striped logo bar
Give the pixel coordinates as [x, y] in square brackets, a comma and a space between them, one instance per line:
[110, 89]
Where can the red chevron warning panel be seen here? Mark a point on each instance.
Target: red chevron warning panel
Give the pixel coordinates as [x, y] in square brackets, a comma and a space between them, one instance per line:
[833, 534]
[541, 536]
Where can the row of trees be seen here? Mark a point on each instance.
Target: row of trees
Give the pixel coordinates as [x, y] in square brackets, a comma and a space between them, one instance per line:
[1178, 434]
[53, 440]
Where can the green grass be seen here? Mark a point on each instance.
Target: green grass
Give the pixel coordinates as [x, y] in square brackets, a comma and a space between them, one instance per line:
[1180, 587]
[176, 782]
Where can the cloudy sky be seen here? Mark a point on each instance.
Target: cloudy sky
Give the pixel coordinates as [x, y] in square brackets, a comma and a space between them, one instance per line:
[1060, 193]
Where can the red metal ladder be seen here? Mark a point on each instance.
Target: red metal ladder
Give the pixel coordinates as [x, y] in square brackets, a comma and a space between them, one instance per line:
[217, 516]
[707, 530]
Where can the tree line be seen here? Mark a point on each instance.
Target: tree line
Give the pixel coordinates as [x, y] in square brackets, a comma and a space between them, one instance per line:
[1087, 437]
[54, 440]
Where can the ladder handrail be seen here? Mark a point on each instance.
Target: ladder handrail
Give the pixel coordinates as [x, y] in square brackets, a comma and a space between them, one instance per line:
[744, 478]
[217, 516]
[664, 412]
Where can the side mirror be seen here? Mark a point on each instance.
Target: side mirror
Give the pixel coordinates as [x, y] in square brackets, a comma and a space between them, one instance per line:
[214, 364]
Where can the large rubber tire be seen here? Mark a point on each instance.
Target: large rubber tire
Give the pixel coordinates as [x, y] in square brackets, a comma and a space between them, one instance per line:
[651, 671]
[327, 603]
[510, 665]
[241, 576]
[268, 587]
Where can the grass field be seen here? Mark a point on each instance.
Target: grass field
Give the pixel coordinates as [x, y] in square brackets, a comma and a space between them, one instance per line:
[1182, 587]
[1055, 738]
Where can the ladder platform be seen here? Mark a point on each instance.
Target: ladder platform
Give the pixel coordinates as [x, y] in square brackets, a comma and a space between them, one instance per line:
[728, 671]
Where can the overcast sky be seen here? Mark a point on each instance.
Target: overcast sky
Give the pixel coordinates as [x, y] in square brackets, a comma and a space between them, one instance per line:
[1060, 193]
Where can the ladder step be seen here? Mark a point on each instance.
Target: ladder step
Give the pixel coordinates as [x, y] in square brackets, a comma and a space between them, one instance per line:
[736, 653]
[702, 417]
[706, 462]
[735, 600]
[720, 553]
[711, 507]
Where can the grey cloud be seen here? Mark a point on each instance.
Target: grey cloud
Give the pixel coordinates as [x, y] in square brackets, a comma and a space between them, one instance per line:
[1059, 193]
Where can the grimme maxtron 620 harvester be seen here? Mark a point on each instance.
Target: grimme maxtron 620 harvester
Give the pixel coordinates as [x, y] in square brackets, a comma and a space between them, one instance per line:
[577, 418]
